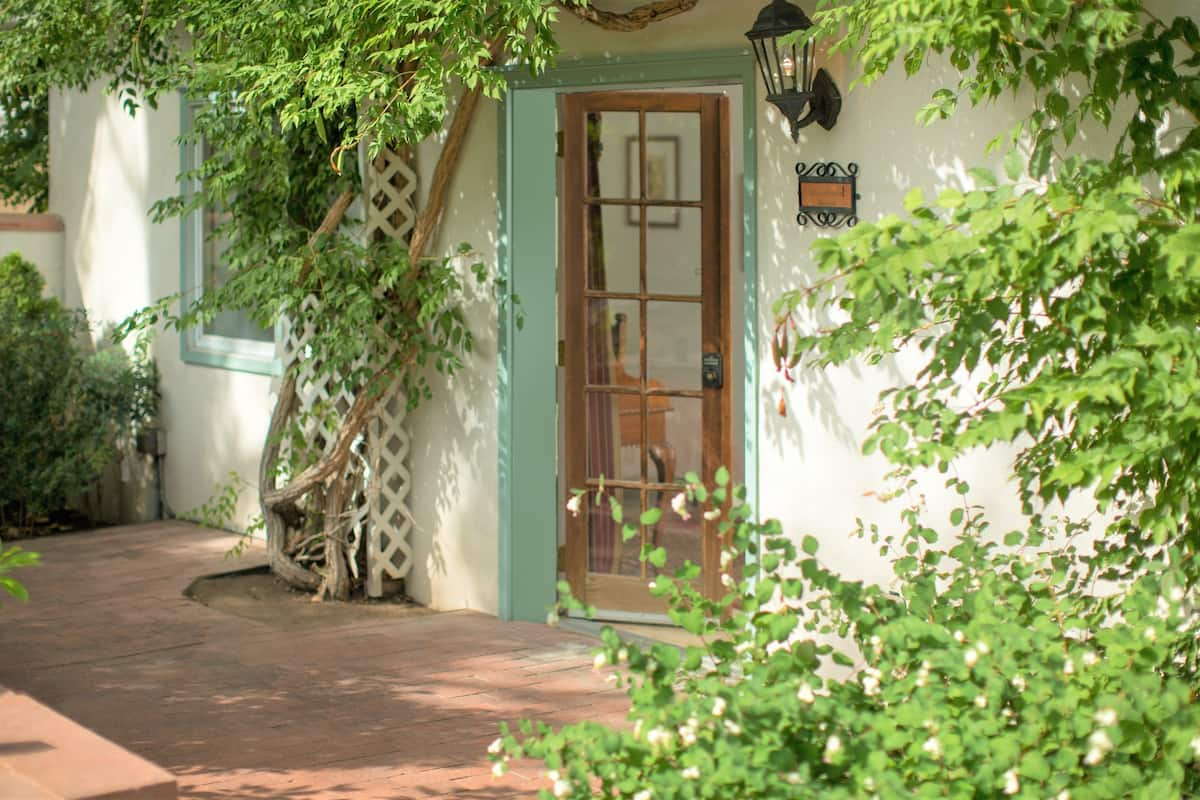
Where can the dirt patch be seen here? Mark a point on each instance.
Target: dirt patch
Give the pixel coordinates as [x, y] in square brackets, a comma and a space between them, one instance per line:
[258, 595]
[53, 524]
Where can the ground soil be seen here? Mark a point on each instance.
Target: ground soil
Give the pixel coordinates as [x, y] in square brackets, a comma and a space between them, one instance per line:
[258, 595]
[65, 521]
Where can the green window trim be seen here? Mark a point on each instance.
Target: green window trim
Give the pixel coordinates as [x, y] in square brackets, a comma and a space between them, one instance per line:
[527, 249]
[195, 345]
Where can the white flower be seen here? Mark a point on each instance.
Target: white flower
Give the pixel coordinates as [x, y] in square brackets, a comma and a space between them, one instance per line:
[876, 644]
[1069, 667]
[599, 661]
[1100, 741]
[690, 773]
[718, 706]
[733, 728]
[644, 794]
[726, 558]
[1150, 634]
[1106, 717]
[1065, 794]
[574, 503]
[712, 513]
[552, 619]
[970, 657]
[833, 746]
[495, 747]
[959, 637]
[1195, 745]
[679, 506]
[933, 747]
[871, 681]
[983, 648]
[622, 656]
[552, 775]
[1006, 713]
[1090, 659]
[1018, 683]
[498, 769]
[793, 778]
[922, 677]
[651, 586]
[1177, 594]
[727, 581]
[658, 736]
[1093, 757]
[687, 735]
[1012, 784]
[805, 694]
[561, 788]
[981, 701]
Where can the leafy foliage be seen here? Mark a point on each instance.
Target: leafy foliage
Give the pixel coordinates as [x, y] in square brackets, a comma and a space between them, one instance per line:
[62, 414]
[983, 670]
[12, 558]
[1061, 319]
[24, 148]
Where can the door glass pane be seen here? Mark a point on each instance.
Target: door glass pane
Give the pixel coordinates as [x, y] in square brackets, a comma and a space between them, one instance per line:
[614, 436]
[673, 345]
[683, 539]
[673, 156]
[610, 171]
[607, 553]
[673, 253]
[613, 248]
[674, 430]
[614, 333]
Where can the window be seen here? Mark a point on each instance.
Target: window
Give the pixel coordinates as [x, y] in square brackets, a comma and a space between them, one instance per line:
[230, 340]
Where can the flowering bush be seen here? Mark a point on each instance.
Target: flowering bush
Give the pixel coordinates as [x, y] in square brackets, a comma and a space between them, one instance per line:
[986, 669]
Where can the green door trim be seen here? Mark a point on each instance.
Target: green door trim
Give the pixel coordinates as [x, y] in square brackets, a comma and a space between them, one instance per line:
[527, 250]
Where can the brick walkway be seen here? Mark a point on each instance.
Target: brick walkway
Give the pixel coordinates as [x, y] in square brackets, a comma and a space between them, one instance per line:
[397, 709]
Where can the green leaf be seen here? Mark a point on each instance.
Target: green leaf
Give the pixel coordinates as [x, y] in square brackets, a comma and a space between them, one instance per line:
[809, 545]
[651, 516]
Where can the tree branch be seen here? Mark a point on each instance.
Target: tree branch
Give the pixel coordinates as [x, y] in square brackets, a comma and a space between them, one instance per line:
[634, 20]
[435, 205]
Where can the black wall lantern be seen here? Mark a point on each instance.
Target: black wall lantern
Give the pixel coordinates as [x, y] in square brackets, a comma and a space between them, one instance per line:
[802, 92]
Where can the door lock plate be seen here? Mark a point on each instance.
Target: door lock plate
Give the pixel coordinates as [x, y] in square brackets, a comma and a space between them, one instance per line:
[712, 371]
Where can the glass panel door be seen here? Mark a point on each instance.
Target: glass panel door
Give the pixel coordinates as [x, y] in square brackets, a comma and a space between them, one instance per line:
[645, 297]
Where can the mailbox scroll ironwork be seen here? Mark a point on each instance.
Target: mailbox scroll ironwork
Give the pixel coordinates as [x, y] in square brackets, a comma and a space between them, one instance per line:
[828, 194]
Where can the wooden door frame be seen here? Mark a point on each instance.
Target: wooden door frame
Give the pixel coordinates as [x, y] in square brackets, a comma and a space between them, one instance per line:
[527, 503]
[615, 592]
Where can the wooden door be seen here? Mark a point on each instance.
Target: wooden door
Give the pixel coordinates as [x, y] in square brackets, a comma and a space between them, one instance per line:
[645, 305]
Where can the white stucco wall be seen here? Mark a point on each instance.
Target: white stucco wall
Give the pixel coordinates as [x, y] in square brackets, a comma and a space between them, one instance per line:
[106, 170]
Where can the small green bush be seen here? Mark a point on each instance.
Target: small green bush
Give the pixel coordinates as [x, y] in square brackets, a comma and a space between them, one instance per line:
[62, 413]
[985, 669]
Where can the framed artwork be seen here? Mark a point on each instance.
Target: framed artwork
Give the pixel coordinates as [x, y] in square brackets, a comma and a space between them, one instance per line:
[662, 179]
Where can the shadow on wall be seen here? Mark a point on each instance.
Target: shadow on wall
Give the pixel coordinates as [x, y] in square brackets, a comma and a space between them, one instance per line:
[454, 458]
[107, 171]
[894, 154]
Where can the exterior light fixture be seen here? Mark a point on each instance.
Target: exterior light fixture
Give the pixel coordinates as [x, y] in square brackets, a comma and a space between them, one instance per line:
[802, 92]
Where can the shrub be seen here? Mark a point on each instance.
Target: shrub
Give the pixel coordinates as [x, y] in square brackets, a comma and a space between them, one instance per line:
[62, 413]
[987, 669]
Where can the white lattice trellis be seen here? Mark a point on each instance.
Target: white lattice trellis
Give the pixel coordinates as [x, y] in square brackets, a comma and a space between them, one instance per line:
[378, 512]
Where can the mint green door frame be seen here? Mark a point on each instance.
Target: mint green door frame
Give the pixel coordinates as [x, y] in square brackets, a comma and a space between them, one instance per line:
[528, 256]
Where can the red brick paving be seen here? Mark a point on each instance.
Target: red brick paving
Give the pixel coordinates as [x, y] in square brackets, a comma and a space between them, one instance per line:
[379, 709]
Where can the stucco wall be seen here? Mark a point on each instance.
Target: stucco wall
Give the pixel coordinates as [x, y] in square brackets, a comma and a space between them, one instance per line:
[106, 170]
